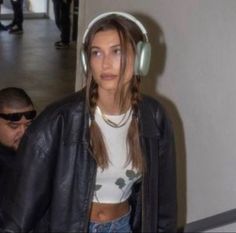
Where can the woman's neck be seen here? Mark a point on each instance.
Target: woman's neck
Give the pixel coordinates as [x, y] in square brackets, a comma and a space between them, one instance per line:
[109, 104]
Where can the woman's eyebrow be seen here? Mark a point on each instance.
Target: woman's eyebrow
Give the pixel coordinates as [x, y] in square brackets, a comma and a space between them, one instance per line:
[97, 46]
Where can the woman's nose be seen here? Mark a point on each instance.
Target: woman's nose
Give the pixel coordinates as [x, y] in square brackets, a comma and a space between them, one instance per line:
[107, 61]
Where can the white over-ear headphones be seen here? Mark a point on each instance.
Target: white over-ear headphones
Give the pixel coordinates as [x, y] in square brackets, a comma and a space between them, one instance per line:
[143, 48]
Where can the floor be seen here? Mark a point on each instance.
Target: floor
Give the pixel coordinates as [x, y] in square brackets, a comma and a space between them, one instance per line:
[30, 61]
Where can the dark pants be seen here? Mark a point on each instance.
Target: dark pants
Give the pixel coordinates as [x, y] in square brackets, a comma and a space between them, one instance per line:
[18, 13]
[62, 18]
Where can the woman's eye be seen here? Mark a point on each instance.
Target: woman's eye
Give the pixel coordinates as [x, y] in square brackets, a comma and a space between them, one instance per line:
[95, 53]
[117, 51]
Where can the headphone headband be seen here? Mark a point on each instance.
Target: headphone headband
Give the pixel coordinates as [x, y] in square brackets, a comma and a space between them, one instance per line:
[123, 14]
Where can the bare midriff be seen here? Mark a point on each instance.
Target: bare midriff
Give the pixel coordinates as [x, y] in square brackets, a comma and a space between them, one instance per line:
[103, 212]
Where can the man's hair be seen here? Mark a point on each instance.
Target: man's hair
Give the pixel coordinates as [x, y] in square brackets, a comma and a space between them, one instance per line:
[14, 97]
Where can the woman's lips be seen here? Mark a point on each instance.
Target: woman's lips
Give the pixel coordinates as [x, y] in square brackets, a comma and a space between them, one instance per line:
[108, 76]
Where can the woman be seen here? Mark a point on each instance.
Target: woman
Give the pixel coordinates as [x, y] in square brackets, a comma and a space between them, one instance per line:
[101, 160]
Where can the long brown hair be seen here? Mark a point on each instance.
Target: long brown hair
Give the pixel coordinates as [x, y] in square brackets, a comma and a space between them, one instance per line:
[129, 33]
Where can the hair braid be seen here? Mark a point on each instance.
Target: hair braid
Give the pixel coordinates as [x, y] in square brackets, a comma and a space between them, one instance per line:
[135, 152]
[96, 138]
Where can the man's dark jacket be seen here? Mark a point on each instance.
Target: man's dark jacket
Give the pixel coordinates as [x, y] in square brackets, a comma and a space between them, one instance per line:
[7, 157]
[54, 187]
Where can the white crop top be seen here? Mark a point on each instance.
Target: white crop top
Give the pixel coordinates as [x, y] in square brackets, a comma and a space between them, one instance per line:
[113, 184]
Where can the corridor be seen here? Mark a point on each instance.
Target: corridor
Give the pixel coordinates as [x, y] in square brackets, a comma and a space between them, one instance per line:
[30, 61]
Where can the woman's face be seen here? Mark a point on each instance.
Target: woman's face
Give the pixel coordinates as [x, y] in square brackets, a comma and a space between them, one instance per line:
[106, 60]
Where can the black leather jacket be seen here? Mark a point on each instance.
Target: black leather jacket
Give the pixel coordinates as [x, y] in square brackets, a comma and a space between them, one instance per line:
[7, 157]
[54, 186]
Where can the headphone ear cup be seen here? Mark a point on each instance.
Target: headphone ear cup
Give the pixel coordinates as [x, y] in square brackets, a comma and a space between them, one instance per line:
[142, 59]
[83, 59]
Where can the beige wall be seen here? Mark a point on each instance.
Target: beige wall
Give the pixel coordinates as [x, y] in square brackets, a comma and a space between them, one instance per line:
[193, 75]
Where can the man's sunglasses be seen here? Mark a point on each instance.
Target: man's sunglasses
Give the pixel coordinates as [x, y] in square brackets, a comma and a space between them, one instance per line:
[30, 115]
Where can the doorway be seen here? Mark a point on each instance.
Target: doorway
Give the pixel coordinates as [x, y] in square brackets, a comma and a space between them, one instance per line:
[32, 9]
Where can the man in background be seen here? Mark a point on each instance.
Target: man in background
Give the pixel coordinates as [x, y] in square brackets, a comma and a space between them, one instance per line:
[16, 26]
[16, 114]
[62, 19]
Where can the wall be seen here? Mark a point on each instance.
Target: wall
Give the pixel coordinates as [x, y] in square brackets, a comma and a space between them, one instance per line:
[51, 11]
[38, 6]
[193, 75]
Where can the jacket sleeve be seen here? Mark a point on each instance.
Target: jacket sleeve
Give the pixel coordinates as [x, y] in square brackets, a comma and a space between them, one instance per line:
[167, 180]
[28, 193]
